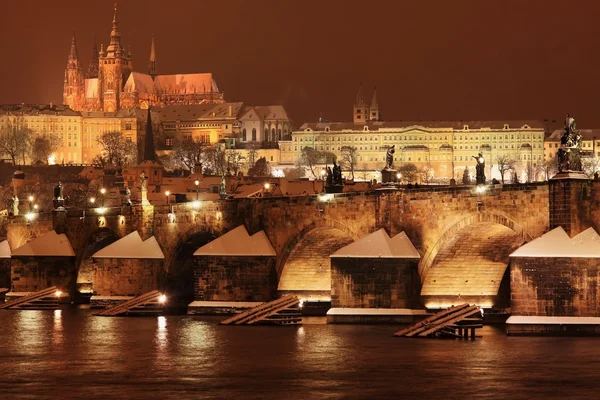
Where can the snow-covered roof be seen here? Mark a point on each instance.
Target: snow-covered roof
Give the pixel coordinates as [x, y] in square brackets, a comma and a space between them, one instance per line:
[185, 83]
[4, 249]
[532, 319]
[379, 245]
[49, 244]
[132, 246]
[238, 242]
[138, 82]
[557, 243]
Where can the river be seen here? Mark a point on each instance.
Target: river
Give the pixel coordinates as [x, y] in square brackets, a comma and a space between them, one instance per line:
[70, 354]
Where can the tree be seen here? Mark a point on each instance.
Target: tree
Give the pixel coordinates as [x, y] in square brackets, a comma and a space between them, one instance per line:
[529, 171]
[252, 154]
[187, 153]
[15, 139]
[327, 157]
[590, 166]
[235, 161]
[505, 163]
[116, 150]
[43, 148]
[295, 173]
[549, 168]
[409, 172]
[261, 168]
[349, 158]
[426, 173]
[214, 161]
[309, 158]
[466, 178]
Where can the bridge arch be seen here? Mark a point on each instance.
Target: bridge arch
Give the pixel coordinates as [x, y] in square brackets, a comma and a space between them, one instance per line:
[304, 268]
[179, 263]
[469, 262]
[95, 241]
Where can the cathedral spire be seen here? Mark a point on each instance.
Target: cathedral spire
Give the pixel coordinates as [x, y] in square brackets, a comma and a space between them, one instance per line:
[152, 62]
[359, 97]
[115, 36]
[73, 53]
[93, 67]
[374, 101]
[149, 153]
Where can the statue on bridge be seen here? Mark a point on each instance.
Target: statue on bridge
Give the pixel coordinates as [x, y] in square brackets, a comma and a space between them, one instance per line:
[480, 169]
[15, 205]
[569, 153]
[58, 200]
[389, 157]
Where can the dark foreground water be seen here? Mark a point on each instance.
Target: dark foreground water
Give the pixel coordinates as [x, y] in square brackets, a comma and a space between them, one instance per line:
[70, 354]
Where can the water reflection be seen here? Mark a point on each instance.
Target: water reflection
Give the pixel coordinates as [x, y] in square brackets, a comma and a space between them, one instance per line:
[57, 333]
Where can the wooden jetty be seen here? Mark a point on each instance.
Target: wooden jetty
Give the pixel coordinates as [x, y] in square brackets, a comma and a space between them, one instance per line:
[145, 304]
[454, 322]
[45, 299]
[283, 311]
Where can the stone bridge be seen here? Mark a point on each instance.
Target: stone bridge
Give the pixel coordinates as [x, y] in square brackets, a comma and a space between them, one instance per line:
[464, 236]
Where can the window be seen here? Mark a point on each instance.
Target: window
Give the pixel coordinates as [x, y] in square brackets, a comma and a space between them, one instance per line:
[169, 142]
[128, 126]
[244, 138]
[254, 134]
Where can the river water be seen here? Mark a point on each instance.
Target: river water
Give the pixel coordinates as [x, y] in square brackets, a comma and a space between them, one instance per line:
[70, 354]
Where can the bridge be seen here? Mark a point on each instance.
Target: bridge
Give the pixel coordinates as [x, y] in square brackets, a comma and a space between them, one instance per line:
[464, 237]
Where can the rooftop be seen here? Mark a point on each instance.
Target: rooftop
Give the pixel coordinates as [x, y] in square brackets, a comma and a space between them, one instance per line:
[450, 125]
[238, 242]
[557, 243]
[379, 245]
[49, 244]
[132, 246]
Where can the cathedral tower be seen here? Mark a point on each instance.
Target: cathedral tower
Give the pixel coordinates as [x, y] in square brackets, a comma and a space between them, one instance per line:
[361, 111]
[114, 69]
[374, 109]
[73, 95]
[152, 62]
[92, 71]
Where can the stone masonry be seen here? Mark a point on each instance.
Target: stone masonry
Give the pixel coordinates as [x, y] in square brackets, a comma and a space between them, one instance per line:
[221, 278]
[126, 277]
[555, 286]
[374, 283]
[30, 274]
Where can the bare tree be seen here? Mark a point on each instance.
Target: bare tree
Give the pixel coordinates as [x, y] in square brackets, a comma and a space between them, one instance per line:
[309, 158]
[505, 163]
[117, 150]
[409, 172]
[590, 166]
[187, 153]
[15, 139]
[235, 161]
[528, 170]
[426, 173]
[214, 160]
[549, 168]
[43, 148]
[349, 158]
[295, 173]
[252, 154]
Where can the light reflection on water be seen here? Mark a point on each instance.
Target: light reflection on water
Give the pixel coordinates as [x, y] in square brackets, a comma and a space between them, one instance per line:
[70, 354]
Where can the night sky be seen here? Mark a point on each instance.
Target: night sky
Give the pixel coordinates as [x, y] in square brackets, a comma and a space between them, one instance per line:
[436, 60]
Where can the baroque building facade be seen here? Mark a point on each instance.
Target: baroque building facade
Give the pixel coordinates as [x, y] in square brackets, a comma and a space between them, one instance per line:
[442, 148]
[111, 84]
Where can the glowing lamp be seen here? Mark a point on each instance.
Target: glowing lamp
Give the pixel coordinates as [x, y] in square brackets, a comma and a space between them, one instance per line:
[30, 198]
[480, 189]
[196, 204]
[92, 200]
[481, 160]
[267, 186]
[398, 175]
[162, 299]
[35, 207]
[58, 293]
[196, 182]
[29, 216]
[101, 210]
[167, 193]
[102, 190]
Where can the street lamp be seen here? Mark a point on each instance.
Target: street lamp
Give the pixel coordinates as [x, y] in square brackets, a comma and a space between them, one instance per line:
[30, 198]
[92, 200]
[35, 207]
[167, 193]
[196, 182]
[103, 192]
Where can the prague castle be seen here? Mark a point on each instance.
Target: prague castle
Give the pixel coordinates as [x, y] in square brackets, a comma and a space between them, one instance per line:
[111, 84]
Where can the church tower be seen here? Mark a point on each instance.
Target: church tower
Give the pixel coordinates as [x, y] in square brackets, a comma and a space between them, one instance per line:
[92, 71]
[361, 111]
[114, 69]
[73, 95]
[152, 62]
[374, 109]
